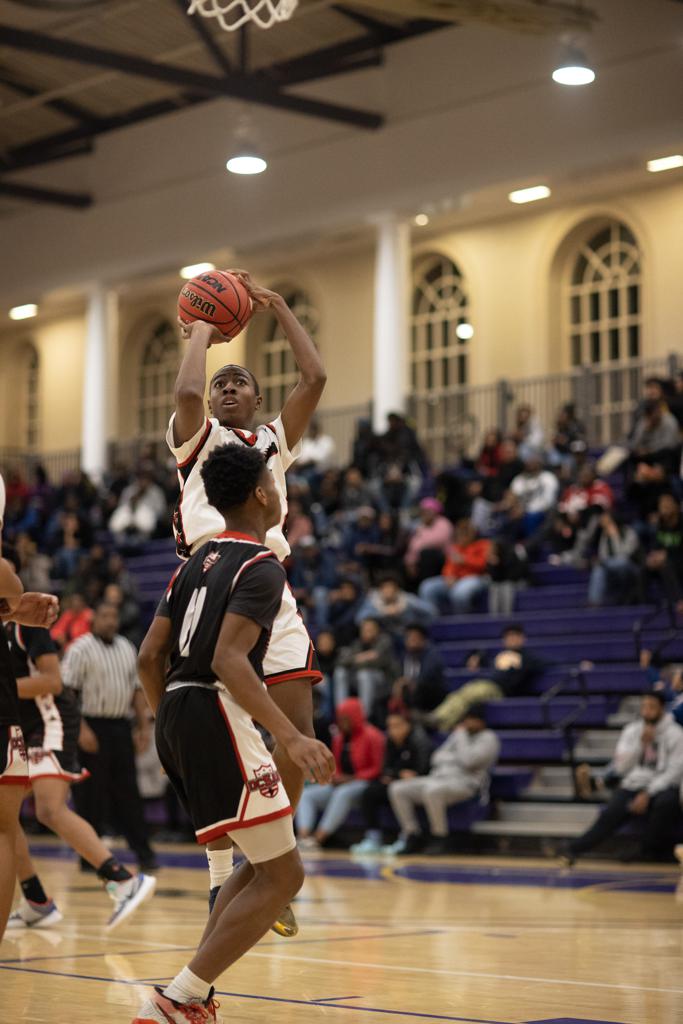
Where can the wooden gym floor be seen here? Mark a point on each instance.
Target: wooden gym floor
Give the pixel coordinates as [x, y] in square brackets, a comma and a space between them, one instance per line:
[479, 940]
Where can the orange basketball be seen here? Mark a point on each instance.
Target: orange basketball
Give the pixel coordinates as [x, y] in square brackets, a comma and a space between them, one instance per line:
[219, 298]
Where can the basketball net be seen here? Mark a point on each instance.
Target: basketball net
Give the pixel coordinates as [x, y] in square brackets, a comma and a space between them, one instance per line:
[232, 14]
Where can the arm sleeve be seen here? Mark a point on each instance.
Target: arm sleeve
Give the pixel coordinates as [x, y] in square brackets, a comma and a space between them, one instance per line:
[628, 749]
[183, 453]
[288, 456]
[258, 592]
[38, 642]
[482, 753]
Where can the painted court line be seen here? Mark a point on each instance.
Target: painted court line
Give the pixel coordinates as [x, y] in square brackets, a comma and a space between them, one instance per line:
[467, 974]
[269, 999]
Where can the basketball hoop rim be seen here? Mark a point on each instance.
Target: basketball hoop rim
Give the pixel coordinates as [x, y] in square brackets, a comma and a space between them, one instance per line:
[232, 15]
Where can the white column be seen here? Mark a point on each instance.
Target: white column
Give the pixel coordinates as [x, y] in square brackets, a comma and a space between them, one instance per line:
[391, 330]
[94, 422]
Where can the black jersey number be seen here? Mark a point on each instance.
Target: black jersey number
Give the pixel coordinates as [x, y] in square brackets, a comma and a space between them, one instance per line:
[191, 620]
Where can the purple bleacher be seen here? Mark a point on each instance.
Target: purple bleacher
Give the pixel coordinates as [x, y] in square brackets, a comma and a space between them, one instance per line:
[593, 647]
[532, 745]
[547, 623]
[619, 678]
[528, 711]
[534, 599]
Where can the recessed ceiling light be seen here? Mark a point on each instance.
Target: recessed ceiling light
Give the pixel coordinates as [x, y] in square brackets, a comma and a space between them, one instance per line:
[464, 331]
[529, 195]
[23, 312]
[573, 69]
[193, 269]
[665, 163]
[422, 220]
[246, 163]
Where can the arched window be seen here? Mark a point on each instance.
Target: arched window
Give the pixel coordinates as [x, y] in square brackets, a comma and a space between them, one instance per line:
[158, 371]
[278, 371]
[603, 298]
[31, 397]
[603, 316]
[440, 333]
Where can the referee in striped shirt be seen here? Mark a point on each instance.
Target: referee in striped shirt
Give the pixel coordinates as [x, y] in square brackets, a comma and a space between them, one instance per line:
[102, 667]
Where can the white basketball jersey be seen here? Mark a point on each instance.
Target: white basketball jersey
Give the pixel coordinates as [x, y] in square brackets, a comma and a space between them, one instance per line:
[195, 521]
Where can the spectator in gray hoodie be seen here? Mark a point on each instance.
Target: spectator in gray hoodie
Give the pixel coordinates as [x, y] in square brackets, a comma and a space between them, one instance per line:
[459, 770]
[649, 759]
[615, 576]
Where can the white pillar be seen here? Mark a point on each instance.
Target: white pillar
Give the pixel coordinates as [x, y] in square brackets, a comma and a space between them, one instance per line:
[391, 330]
[94, 421]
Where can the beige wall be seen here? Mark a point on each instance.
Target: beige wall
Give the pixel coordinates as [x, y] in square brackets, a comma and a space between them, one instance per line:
[512, 268]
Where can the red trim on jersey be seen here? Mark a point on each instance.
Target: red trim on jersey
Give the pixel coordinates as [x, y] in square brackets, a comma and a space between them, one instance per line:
[205, 835]
[15, 780]
[200, 445]
[66, 776]
[173, 578]
[301, 673]
[272, 428]
[19, 636]
[249, 439]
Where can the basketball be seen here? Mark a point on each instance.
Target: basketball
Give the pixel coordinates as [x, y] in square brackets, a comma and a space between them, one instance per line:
[217, 297]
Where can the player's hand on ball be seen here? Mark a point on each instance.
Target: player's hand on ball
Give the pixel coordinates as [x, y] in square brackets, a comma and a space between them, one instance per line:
[201, 329]
[40, 610]
[313, 757]
[262, 298]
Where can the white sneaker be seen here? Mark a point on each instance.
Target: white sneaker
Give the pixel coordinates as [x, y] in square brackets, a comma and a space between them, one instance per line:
[159, 1009]
[128, 896]
[34, 915]
[309, 843]
[366, 846]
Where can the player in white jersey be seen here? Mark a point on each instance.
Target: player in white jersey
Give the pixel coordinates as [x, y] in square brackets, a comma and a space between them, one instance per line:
[290, 666]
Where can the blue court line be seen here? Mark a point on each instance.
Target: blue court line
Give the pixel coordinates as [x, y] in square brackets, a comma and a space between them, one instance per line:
[85, 956]
[268, 999]
[335, 999]
[359, 938]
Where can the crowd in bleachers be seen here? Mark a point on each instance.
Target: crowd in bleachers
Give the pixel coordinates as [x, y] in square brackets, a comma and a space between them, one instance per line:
[383, 546]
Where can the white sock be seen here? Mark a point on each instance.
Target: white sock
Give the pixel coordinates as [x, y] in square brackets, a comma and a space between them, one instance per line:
[220, 866]
[187, 987]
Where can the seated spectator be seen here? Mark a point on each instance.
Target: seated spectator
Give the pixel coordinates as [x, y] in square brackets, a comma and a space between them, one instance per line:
[459, 770]
[656, 434]
[400, 446]
[329, 493]
[75, 620]
[489, 459]
[421, 686]
[509, 466]
[358, 749]
[366, 449]
[299, 525]
[393, 607]
[536, 488]
[507, 572]
[669, 682]
[342, 609]
[367, 668]
[313, 576]
[383, 556]
[67, 557]
[569, 440]
[510, 676]
[141, 507]
[588, 496]
[463, 578]
[527, 433]
[615, 576]
[34, 568]
[664, 558]
[328, 654]
[429, 542]
[649, 760]
[362, 534]
[116, 572]
[406, 756]
[355, 492]
[675, 401]
[130, 625]
[318, 452]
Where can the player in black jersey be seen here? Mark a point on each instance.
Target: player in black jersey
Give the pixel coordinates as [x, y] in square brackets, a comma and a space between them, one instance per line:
[31, 609]
[212, 628]
[50, 720]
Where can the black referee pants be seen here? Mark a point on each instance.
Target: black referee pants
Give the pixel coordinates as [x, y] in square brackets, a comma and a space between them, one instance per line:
[111, 792]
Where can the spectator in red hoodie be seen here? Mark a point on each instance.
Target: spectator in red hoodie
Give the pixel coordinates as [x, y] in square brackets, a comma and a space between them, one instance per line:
[358, 750]
[463, 577]
[75, 621]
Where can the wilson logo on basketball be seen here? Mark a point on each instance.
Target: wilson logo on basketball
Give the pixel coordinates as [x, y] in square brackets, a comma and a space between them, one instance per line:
[266, 781]
[199, 303]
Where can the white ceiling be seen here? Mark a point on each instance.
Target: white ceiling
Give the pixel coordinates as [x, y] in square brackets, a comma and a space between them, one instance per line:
[469, 110]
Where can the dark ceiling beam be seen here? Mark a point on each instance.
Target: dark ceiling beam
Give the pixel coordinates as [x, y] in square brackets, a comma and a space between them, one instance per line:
[373, 60]
[287, 71]
[53, 197]
[251, 88]
[201, 28]
[74, 111]
[364, 20]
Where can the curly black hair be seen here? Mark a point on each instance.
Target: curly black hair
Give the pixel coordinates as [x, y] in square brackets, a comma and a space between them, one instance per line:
[230, 474]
